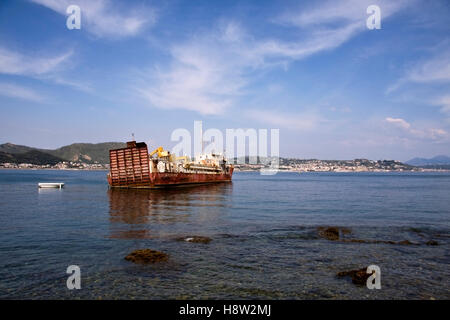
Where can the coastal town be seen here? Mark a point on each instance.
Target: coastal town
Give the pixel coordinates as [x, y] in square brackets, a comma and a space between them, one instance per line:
[315, 165]
[65, 165]
[285, 165]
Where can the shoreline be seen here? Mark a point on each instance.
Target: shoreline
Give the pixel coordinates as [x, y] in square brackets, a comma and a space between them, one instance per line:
[246, 171]
[54, 169]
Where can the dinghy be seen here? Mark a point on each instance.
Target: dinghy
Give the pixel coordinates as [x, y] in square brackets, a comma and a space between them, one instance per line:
[51, 185]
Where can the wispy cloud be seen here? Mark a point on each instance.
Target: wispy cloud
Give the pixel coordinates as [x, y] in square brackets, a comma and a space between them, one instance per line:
[398, 122]
[209, 72]
[434, 69]
[444, 103]
[437, 68]
[328, 25]
[104, 19]
[316, 41]
[47, 68]
[342, 12]
[19, 64]
[427, 133]
[205, 73]
[75, 84]
[20, 92]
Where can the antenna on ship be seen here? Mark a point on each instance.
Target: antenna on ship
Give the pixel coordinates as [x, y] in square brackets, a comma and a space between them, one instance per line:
[132, 135]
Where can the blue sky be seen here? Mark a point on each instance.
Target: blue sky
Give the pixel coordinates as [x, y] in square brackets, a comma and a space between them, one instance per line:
[334, 88]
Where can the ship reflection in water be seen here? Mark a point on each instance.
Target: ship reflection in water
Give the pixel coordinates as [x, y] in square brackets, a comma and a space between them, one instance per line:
[160, 213]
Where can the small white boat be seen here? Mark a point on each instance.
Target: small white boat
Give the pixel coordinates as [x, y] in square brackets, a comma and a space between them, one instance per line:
[51, 185]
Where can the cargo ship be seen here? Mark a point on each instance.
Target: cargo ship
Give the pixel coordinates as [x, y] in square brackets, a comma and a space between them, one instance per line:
[134, 167]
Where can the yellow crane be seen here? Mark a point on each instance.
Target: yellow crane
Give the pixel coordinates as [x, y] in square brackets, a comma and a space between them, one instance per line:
[160, 152]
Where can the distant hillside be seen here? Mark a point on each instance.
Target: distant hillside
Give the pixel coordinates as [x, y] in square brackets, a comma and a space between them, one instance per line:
[438, 160]
[77, 152]
[14, 148]
[33, 157]
[87, 152]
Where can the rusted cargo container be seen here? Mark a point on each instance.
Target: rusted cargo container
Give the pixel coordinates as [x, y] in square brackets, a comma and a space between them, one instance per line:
[134, 167]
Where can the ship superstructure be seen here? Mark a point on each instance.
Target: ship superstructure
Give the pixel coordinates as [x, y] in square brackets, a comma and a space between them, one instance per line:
[135, 167]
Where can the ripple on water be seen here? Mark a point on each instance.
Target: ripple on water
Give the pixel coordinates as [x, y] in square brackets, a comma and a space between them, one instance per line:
[264, 237]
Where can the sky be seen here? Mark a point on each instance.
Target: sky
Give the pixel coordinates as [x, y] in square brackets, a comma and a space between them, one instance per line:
[312, 69]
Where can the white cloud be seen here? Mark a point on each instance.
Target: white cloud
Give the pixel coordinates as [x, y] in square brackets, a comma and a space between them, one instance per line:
[47, 68]
[329, 25]
[341, 12]
[104, 19]
[75, 84]
[209, 72]
[398, 122]
[318, 40]
[18, 64]
[426, 133]
[444, 103]
[435, 69]
[205, 74]
[15, 91]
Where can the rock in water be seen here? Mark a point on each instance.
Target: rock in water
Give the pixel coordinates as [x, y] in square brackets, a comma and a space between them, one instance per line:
[330, 233]
[146, 256]
[346, 230]
[358, 276]
[334, 234]
[432, 243]
[196, 239]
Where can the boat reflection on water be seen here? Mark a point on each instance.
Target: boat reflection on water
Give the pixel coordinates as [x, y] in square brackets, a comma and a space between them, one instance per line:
[147, 214]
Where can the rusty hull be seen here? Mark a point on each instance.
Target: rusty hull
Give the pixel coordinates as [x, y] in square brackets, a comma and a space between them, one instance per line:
[130, 168]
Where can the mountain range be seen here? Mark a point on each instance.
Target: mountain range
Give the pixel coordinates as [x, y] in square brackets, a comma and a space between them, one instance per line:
[99, 153]
[435, 161]
[77, 152]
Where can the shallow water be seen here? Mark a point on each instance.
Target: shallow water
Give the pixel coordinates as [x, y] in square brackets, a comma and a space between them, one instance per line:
[263, 228]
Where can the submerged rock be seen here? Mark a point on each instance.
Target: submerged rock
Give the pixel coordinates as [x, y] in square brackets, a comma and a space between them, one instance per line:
[329, 233]
[432, 243]
[146, 256]
[357, 241]
[403, 242]
[195, 239]
[346, 231]
[358, 276]
[333, 233]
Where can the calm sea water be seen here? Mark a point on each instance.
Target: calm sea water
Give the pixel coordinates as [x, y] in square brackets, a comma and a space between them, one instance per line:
[263, 229]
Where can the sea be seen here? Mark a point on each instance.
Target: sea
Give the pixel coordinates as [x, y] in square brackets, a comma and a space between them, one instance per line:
[265, 236]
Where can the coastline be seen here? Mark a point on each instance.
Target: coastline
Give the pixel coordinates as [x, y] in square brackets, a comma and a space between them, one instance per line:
[53, 169]
[243, 170]
[355, 171]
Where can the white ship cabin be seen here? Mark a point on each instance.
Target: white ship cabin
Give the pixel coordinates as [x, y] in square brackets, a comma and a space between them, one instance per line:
[211, 159]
